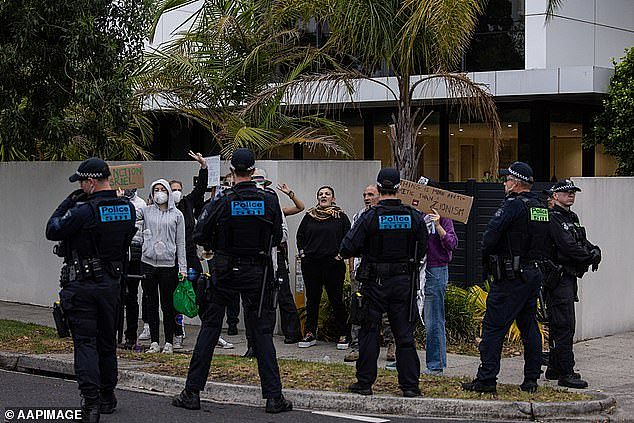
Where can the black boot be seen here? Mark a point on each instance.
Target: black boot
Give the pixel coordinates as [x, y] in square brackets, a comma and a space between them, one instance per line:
[529, 385]
[187, 399]
[108, 402]
[232, 329]
[357, 388]
[569, 381]
[477, 386]
[411, 393]
[90, 409]
[278, 405]
[250, 353]
[553, 374]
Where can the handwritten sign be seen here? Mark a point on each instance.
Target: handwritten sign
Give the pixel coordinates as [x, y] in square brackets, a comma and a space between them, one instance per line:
[213, 169]
[446, 203]
[127, 176]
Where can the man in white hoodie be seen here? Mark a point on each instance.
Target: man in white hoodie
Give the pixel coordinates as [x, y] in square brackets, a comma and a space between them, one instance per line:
[163, 245]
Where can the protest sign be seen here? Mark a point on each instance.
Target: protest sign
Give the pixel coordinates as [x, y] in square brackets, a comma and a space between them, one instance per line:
[127, 176]
[213, 169]
[446, 203]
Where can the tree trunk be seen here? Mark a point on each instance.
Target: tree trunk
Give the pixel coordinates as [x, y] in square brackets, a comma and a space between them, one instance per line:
[402, 135]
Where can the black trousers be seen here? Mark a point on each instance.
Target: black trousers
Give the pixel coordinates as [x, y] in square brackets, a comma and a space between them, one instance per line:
[132, 302]
[161, 280]
[392, 295]
[289, 318]
[561, 308]
[246, 280]
[325, 273]
[233, 310]
[92, 309]
[511, 300]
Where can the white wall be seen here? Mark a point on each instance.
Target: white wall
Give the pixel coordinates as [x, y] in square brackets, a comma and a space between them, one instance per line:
[32, 191]
[582, 33]
[606, 297]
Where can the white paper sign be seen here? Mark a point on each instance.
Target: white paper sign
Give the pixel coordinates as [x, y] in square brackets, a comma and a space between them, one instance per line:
[213, 169]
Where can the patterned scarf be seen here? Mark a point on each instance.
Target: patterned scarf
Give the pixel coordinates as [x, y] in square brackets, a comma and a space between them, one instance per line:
[324, 213]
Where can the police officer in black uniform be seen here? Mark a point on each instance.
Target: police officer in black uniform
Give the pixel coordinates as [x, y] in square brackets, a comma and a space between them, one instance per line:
[575, 254]
[391, 238]
[514, 246]
[96, 228]
[240, 226]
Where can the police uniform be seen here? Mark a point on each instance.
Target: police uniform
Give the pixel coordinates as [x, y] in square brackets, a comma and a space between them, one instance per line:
[391, 238]
[240, 226]
[574, 253]
[96, 232]
[514, 246]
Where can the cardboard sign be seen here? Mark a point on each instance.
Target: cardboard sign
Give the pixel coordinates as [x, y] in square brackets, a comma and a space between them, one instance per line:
[446, 203]
[127, 176]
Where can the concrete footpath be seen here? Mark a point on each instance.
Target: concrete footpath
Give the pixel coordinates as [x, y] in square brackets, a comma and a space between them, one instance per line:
[607, 363]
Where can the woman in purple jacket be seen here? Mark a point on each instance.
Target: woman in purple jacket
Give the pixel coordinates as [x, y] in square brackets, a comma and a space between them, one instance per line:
[440, 247]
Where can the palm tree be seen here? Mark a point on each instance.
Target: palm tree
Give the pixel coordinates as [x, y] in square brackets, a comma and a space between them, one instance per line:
[227, 52]
[403, 38]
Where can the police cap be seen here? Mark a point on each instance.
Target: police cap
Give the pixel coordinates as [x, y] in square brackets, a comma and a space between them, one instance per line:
[243, 160]
[388, 178]
[565, 185]
[93, 167]
[520, 170]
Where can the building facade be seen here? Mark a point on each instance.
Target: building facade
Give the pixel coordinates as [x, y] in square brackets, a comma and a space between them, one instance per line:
[548, 78]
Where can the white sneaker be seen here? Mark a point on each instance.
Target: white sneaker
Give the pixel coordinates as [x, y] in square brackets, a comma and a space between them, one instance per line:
[145, 335]
[154, 348]
[178, 342]
[224, 344]
[168, 348]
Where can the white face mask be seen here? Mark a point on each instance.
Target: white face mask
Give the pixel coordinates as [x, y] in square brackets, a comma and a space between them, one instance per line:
[160, 197]
[177, 196]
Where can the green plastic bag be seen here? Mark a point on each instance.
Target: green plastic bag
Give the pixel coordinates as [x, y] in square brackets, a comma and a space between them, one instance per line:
[185, 299]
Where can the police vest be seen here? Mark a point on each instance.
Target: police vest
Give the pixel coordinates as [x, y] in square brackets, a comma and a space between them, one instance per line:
[391, 237]
[528, 238]
[246, 229]
[113, 228]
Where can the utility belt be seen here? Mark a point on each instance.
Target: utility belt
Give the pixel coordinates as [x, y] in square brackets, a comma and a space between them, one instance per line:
[89, 269]
[509, 267]
[225, 260]
[370, 271]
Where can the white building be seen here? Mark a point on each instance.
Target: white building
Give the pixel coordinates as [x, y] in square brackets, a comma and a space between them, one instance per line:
[548, 78]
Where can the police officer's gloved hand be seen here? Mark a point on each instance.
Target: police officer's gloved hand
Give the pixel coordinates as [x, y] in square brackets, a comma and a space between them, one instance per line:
[76, 195]
[596, 258]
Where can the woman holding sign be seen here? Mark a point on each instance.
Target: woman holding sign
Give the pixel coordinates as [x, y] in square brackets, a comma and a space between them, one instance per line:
[441, 243]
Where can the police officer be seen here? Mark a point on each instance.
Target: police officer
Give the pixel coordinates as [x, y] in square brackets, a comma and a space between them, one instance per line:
[575, 254]
[96, 228]
[513, 248]
[240, 226]
[391, 238]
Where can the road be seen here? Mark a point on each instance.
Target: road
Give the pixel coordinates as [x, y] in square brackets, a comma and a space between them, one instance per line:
[26, 390]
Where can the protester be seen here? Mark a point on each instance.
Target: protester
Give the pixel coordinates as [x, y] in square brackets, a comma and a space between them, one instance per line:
[187, 204]
[163, 246]
[131, 297]
[318, 239]
[298, 205]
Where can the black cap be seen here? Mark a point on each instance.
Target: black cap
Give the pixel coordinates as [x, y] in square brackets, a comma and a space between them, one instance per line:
[520, 170]
[565, 185]
[388, 178]
[93, 167]
[243, 159]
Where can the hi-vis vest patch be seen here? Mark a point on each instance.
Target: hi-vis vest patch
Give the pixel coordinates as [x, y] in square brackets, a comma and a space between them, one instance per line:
[539, 214]
[398, 221]
[115, 213]
[247, 208]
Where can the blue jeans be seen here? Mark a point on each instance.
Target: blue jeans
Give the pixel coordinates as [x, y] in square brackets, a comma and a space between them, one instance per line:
[434, 314]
